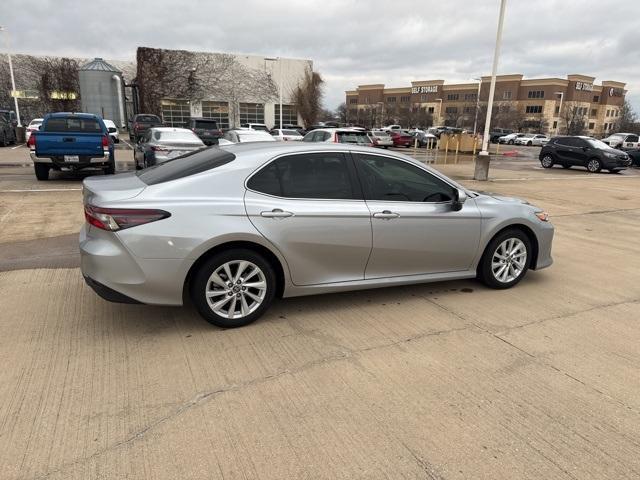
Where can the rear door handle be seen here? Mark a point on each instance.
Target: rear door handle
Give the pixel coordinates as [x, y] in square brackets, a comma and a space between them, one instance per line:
[386, 214]
[276, 213]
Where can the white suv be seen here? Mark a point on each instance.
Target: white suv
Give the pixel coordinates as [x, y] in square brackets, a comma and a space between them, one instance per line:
[338, 135]
[622, 140]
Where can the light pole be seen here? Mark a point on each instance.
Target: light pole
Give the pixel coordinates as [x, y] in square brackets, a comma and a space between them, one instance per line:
[559, 111]
[475, 121]
[13, 81]
[482, 162]
[439, 108]
[279, 60]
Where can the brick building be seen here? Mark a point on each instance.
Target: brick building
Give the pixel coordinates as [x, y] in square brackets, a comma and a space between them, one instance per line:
[532, 104]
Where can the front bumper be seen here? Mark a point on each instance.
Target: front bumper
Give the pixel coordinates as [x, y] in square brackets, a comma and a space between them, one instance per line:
[616, 162]
[544, 234]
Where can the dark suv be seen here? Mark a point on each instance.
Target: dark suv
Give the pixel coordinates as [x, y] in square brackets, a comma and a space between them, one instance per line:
[8, 124]
[206, 129]
[587, 152]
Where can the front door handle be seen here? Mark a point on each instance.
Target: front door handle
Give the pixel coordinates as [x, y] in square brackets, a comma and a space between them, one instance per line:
[276, 213]
[386, 214]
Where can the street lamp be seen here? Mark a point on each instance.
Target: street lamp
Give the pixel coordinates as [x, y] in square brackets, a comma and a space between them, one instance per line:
[482, 162]
[559, 110]
[279, 60]
[439, 108]
[475, 121]
[13, 81]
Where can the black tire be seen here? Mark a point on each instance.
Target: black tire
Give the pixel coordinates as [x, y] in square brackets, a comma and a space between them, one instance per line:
[485, 273]
[510, 142]
[111, 167]
[386, 146]
[547, 161]
[201, 279]
[42, 171]
[594, 165]
[529, 144]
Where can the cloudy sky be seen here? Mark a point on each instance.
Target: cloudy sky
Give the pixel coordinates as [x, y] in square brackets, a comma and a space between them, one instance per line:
[351, 41]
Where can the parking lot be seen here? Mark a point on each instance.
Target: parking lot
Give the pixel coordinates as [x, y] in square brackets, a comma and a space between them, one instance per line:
[438, 381]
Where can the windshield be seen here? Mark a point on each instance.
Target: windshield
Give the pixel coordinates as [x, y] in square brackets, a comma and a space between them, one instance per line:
[599, 144]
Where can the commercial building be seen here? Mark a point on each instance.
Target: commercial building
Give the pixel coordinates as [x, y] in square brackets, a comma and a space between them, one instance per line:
[526, 104]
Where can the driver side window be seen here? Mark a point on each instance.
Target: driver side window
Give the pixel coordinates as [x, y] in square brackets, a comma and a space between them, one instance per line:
[392, 180]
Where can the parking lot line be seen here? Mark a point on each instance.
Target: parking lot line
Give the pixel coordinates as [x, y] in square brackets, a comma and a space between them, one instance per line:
[42, 190]
[17, 146]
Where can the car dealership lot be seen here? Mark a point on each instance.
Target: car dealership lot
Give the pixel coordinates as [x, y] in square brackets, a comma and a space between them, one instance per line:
[444, 380]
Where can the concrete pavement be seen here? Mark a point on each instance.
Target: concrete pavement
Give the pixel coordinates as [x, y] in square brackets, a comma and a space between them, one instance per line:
[438, 381]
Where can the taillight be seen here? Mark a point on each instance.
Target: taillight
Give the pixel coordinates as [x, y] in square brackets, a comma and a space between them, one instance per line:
[105, 140]
[32, 141]
[335, 137]
[114, 219]
[136, 126]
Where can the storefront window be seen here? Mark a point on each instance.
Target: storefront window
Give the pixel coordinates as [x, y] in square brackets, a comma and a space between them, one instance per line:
[219, 111]
[175, 113]
[251, 113]
[289, 115]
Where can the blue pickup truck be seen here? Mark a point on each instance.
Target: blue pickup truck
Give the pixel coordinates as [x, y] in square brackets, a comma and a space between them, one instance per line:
[71, 142]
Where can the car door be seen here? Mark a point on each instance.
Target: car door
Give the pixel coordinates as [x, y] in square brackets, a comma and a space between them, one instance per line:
[563, 151]
[310, 207]
[415, 229]
[578, 151]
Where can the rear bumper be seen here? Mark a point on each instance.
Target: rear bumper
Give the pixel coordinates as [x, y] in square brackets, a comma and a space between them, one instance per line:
[85, 160]
[107, 293]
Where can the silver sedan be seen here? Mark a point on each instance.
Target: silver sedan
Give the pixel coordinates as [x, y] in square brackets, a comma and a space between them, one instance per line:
[235, 226]
[160, 144]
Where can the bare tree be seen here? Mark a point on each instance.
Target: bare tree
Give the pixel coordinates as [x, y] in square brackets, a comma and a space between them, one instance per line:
[308, 97]
[56, 82]
[342, 113]
[627, 119]
[574, 118]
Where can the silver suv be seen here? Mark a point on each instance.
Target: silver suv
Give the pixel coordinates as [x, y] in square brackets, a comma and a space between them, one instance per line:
[233, 227]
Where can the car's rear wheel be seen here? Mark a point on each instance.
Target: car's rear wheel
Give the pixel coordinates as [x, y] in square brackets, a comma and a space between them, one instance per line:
[594, 165]
[233, 288]
[506, 259]
[510, 142]
[42, 171]
[547, 161]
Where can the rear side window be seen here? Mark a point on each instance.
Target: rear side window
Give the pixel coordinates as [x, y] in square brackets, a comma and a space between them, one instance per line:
[72, 124]
[310, 175]
[186, 165]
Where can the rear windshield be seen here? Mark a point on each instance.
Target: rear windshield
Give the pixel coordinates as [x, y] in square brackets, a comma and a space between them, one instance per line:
[72, 124]
[179, 136]
[291, 132]
[147, 119]
[186, 165]
[353, 137]
[206, 124]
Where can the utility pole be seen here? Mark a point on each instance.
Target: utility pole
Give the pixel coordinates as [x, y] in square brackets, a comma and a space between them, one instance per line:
[13, 81]
[482, 161]
[475, 121]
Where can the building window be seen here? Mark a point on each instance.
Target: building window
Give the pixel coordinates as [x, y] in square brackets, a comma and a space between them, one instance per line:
[608, 113]
[617, 111]
[557, 109]
[467, 109]
[251, 113]
[405, 99]
[536, 94]
[507, 95]
[431, 109]
[533, 109]
[391, 99]
[218, 111]
[555, 125]
[353, 101]
[596, 98]
[470, 96]
[591, 125]
[289, 115]
[451, 110]
[594, 112]
[175, 113]
[453, 96]
[423, 98]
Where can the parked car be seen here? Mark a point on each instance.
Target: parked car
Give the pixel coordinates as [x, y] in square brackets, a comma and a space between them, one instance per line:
[531, 139]
[34, 126]
[338, 135]
[425, 139]
[8, 124]
[206, 129]
[510, 138]
[113, 130]
[298, 128]
[141, 123]
[160, 144]
[622, 140]
[380, 138]
[285, 135]
[496, 133]
[255, 126]
[248, 135]
[587, 152]
[390, 128]
[401, 139]
[71, 142]
[293, 219]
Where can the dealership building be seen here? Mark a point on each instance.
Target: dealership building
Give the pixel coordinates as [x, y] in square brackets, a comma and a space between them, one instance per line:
[538, 100]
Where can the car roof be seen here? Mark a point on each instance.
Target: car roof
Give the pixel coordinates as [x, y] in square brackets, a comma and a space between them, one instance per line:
[74, 114]
[170, 129]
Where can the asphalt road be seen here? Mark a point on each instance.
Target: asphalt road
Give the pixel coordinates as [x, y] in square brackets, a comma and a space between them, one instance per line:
[438, 381]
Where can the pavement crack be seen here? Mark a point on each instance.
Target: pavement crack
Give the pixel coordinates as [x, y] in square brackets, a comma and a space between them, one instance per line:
[425, 466]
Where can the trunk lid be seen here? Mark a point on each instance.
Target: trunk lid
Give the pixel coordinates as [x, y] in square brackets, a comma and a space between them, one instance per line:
[102, 189]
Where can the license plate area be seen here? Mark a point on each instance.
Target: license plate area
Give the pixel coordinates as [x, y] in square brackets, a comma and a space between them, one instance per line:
[72, 158]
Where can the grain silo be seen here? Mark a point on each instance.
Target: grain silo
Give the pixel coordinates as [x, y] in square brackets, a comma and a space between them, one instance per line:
[101, 91]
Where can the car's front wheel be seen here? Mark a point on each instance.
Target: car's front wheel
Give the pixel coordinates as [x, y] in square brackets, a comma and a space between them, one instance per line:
[547, 161]
[233, 288]
[594, 165]
[506, 259]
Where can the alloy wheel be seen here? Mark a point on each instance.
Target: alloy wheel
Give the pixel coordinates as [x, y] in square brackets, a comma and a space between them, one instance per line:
[594, 165]
[509, 260]
[547, 161]
[236, 289]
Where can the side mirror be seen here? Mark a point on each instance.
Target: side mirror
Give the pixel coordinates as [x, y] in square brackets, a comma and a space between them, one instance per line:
[458, 201]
